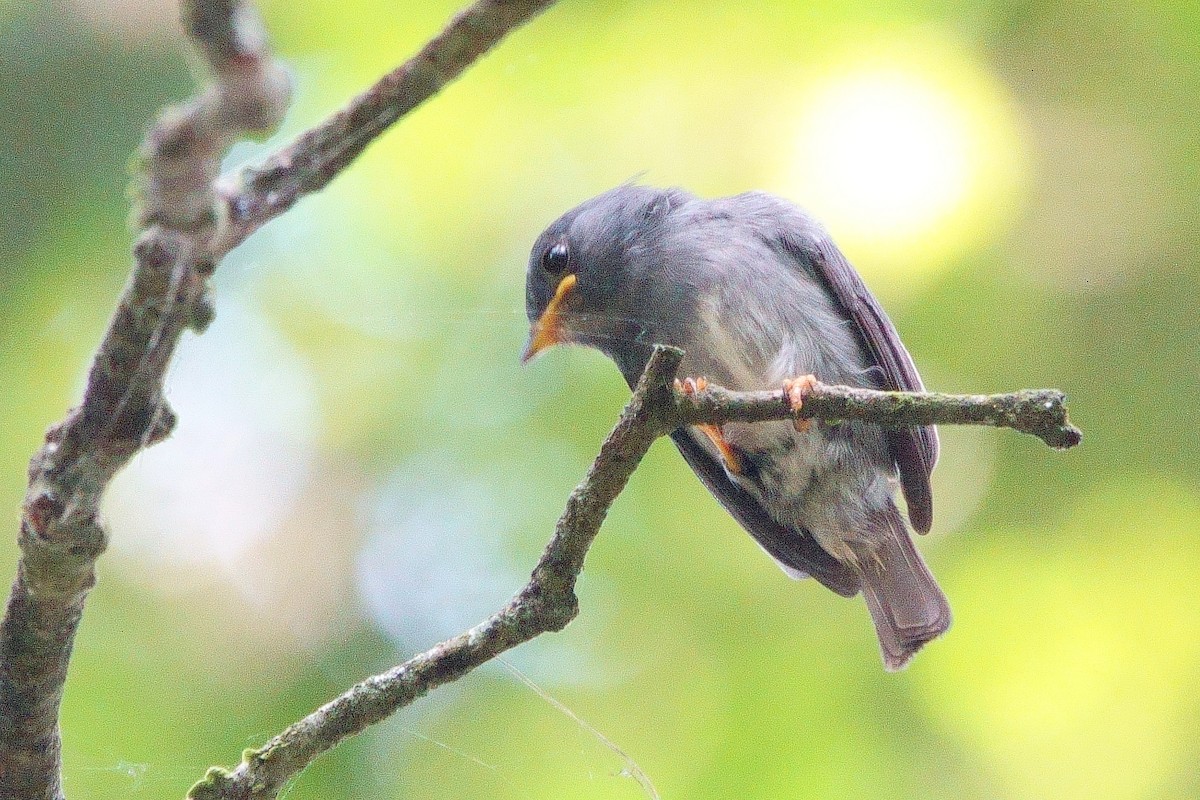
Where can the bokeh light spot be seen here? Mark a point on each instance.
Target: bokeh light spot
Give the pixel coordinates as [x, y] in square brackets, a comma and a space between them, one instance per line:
[887, 151]
[910, 153]
[235, 466]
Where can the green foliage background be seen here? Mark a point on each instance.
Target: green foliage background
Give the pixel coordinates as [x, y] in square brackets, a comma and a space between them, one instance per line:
[374, 332]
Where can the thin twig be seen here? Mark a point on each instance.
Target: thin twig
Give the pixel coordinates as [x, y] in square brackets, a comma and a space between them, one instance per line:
[548, 603]
[1037, 412]
[315, 157]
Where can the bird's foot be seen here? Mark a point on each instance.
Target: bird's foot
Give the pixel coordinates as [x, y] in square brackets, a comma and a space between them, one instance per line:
[715, 434]
[691, 386]
[794, 392]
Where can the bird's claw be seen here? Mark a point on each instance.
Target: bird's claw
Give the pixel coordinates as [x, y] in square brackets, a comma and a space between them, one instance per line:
[794, 392]
[691, 386]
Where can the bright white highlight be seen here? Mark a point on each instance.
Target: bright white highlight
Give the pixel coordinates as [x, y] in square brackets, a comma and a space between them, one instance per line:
[884, 154]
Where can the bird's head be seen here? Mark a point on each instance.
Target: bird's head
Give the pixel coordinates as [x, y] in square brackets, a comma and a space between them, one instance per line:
[589, 272]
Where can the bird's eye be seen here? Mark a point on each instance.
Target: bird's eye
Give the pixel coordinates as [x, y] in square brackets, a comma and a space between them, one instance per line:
[556, 259]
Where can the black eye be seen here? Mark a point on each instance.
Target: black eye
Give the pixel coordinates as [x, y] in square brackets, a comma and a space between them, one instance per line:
[556, 259]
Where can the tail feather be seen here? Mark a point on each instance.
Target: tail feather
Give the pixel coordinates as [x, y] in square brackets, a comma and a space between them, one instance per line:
[906, 604]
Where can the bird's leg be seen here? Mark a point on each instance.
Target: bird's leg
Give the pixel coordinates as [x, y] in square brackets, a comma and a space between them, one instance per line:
[729, 455]
[794, 392]
[733, 463]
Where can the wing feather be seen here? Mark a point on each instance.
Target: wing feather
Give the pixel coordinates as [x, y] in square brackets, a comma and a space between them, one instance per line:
[914, 450]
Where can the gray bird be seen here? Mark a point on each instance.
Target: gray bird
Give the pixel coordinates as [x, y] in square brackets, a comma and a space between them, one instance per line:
[756, 294]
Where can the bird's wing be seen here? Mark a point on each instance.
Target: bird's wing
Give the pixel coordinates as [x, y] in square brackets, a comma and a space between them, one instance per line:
[914, 450]
[795, 550]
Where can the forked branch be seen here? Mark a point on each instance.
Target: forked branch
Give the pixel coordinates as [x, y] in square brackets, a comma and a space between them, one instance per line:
[122, 410]
[548, 603]
[186, 226]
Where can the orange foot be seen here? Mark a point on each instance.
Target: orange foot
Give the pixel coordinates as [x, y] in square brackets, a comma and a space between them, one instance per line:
[794, 391]
[729, 455]
[690, 386]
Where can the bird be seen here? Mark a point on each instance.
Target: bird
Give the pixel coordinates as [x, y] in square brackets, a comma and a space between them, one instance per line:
[758, 296]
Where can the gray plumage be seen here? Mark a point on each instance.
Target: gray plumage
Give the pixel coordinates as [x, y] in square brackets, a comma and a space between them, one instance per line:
[755, 292]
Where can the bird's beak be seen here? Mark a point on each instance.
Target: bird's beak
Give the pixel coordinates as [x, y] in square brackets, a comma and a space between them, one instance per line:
[548, 330]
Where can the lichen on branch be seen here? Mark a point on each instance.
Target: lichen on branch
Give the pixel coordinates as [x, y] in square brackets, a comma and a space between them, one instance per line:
[547, 602]
[1037, 412]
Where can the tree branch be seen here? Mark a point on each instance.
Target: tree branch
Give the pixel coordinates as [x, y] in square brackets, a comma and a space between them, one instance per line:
[313, 159]
[186, 226]
[1037, 412]
[122, 410]
[548, 603]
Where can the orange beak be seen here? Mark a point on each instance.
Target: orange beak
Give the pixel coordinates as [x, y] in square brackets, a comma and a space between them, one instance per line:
[548, 330]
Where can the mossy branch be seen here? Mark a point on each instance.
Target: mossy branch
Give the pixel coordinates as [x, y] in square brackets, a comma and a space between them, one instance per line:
[1037, 412]
[547, 602]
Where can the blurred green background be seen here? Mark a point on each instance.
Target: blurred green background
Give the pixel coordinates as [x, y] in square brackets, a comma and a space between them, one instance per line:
[362, 468]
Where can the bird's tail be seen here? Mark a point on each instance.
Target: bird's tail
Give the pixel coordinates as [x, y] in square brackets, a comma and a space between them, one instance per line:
[905, 602]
